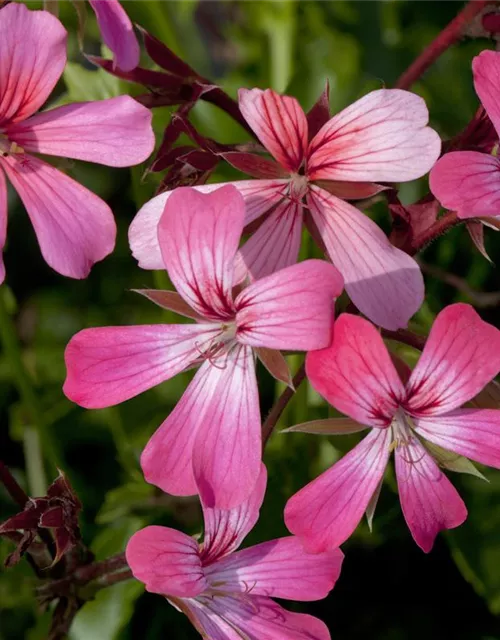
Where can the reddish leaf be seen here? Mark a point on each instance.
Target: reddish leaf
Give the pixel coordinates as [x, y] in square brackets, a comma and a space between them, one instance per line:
[254, 165]
[319, 113]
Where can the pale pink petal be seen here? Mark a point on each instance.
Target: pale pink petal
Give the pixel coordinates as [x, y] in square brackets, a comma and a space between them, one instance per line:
[327, 510]
[199, 234]
[356, 374]
[467, 182]
[252, 618]
[290, 309]
[32, 59]
[227, 450]
[167, 459]
[3, 222]
[474, 433]
[259, 195]
[461, 355]
[74, 227]
[143, 232]
[117, 33]
[115, 132]
[382, 137]
[225, 529]
[279, 569]
[166, 561]
[486, 71]
[276, 243]
[429, 501]
[279, 122]
[383, 282]
[109, 365]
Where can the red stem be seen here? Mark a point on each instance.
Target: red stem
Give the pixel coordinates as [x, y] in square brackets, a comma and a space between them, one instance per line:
[280, 405]
[445, 39]
[15, 491]
[443, 224]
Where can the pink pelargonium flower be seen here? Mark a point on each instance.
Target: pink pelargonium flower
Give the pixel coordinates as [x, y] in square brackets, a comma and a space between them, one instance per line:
[381, 137]
[418, 420]
[226, 593]
[468, 182]
[74, 227]
[117, 33]
[212, 439]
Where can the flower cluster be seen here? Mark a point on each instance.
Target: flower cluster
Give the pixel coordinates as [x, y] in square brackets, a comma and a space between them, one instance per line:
[231, 251]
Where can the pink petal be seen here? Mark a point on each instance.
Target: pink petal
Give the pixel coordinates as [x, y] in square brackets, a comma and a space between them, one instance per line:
[109, 365]
[429, 501]
[261, 196]
[276, 243]
[290, 309]
[220, 442]
[474, 433]
[115, 132]
[356, 374]
[166, 561]
[3, 222]
[383, 282]
[199, 235]
[467, 182]
[225, 529]
[75, 228]
[382, 137]
[167, 459]
[327, 510]
[252, 618]
[143, 232]
[227, 450]
[32, 59]
[279, 122]
[279, 569]
[486, 71]
[461, 355]
[117, 33]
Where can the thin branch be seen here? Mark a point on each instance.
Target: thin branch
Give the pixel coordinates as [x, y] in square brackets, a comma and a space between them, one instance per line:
[405, 336]
[441, 226]
[15, 491]
[280, 405]
[481, 299]
[445, 39]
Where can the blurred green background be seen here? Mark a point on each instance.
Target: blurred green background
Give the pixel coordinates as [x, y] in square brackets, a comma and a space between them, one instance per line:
[389, 589]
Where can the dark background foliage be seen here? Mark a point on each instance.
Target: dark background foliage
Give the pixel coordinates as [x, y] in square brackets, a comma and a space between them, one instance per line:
[389, 589]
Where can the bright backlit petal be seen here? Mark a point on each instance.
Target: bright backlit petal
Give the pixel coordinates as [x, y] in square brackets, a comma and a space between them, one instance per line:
[109, 365]
[115, 132]
[32, 59]
[199, 234]
[429, 501]
[74, 227]
[326, 511]
[279, 122]
[117, 33]
[383, 282]
[356, 374]
[486, 71]
[290, 309]
[382, 137]
[166, 561]
[461, 355]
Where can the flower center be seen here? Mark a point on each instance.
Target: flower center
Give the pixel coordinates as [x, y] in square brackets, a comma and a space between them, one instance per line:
[220, 344]
[402, 429]
[298, 186]
[7, 147]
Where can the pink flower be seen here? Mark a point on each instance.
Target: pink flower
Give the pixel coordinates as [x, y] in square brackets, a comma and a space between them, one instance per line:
[74, 227]
[468, 182]
[212, 439]
[356, 375]
[117, 33]
[226, 593]
[381, 137]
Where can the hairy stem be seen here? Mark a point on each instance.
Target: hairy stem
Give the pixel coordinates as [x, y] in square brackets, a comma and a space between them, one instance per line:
[280, 405]
[406, 337]
[443, 41]
[442, 225]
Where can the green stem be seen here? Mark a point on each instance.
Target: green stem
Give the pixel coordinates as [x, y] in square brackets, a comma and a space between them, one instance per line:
[31, 404]
[37, 480]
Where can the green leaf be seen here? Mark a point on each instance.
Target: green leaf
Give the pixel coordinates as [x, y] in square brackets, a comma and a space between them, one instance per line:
[123, 500]
[83, 84]
[453, 461]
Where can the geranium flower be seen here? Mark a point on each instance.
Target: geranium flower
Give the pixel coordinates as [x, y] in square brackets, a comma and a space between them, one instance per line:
[468, 182]
[212, 439]
[74, 227]
[417, 420]
[381, 137]
[226, 593]
[117, 33]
